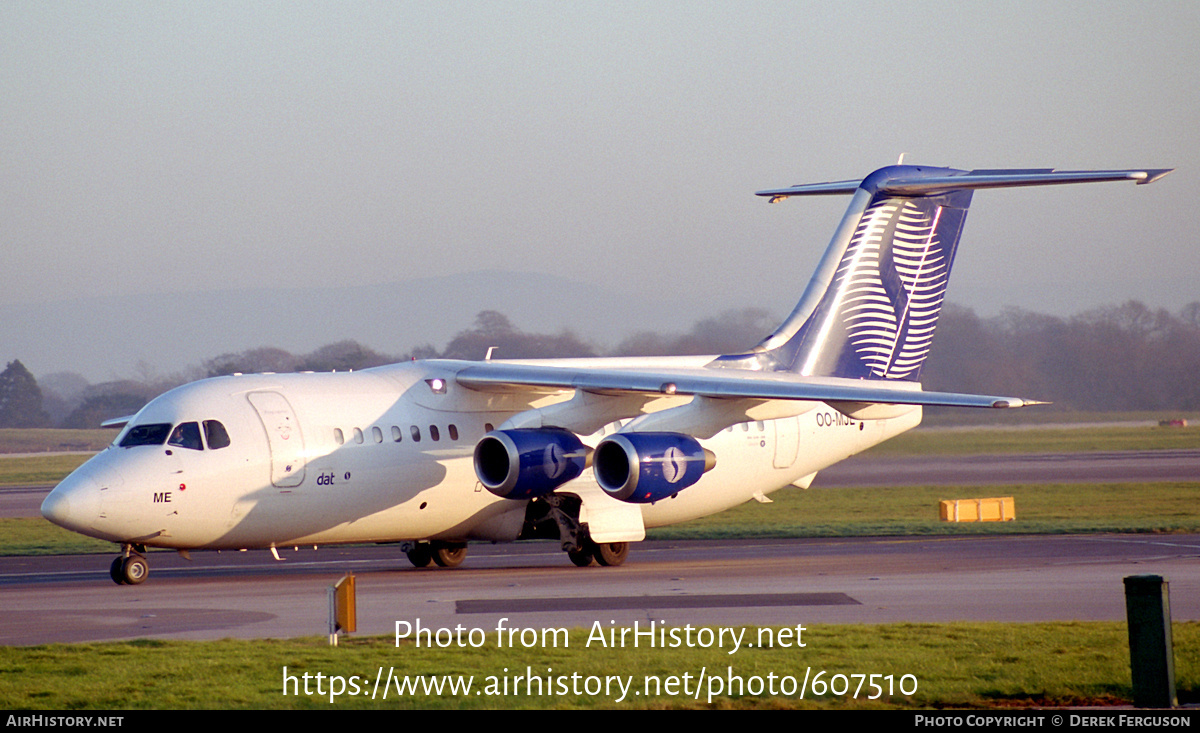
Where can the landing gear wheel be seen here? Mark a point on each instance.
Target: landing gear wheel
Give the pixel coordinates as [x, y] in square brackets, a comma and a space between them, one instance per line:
[420, 555]
[134, 569]
[611, 554]
[114, 570]
[582, 557]
[450, 555]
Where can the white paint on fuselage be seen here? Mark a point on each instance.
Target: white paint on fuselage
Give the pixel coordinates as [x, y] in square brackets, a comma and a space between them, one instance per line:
[381, 489]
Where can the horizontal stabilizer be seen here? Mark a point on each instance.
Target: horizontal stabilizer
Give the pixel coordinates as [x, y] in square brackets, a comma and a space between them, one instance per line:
[920, 183]
[814, 189]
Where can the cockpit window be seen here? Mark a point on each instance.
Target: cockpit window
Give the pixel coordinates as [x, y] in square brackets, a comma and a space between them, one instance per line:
[186, 435]
[153, 434]
[215, 435]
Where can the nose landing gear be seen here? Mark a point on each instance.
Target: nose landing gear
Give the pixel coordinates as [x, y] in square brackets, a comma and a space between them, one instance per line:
[130, 567]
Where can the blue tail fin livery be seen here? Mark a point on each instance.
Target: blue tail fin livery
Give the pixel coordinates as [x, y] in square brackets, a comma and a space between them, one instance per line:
[871, 309]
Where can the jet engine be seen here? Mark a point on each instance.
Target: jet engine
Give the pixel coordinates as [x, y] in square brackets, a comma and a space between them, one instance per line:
[645, 467]
[528, 462]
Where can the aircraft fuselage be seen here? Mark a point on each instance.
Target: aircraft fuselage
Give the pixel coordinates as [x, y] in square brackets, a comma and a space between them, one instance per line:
[382, 455]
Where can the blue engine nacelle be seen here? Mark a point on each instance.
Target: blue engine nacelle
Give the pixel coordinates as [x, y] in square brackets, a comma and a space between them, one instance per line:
[645, 467]
[528, 462]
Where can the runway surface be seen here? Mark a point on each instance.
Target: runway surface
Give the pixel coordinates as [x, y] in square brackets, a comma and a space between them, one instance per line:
[716, 583]
[22, 501]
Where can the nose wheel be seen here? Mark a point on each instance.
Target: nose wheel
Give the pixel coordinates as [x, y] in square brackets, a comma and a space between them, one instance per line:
[129, 568]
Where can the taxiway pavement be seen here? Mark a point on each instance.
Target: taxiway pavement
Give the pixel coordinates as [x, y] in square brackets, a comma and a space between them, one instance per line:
[532, 585]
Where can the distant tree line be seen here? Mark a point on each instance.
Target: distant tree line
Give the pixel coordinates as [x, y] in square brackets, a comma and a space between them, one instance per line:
[1117, 358]
[1126, 357]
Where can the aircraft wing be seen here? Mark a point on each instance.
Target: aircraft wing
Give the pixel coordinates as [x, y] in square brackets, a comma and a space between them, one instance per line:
[715, 383]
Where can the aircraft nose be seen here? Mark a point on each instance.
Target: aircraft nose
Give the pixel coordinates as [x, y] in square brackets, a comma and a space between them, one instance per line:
[75, 503]
[57, 507]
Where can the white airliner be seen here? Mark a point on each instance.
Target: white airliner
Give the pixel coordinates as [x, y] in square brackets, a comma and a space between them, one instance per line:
[589, 452]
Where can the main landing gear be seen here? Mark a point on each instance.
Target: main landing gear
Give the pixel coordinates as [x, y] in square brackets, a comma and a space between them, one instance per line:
[452, 554]
[442, 554]
[608, 554]
[130, 567]
[556, 516]
[549, 517]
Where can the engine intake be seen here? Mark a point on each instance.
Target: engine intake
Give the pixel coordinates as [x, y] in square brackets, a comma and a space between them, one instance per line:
[526, 462]
[645, 467]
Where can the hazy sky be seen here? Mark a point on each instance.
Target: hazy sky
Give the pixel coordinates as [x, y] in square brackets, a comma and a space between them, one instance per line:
[155, 147]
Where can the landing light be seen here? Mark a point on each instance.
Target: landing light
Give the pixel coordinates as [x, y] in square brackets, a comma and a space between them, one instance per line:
[437, 384]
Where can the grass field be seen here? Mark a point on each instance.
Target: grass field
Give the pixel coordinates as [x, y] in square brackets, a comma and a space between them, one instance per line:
[44, 470]
[956, 665]
[29, 440]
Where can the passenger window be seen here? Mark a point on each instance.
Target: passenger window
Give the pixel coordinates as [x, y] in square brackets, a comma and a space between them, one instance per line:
[396, 434]
[186, 435]
[433, 433]
[377, 434]
[358, 436]
[487, 427]
[338, 437]
[215, 435]
[761, 426]
[453, 432]
[416, 433]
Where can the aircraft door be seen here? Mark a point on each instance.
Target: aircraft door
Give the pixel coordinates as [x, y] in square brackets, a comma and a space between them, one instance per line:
[284, 437]
[787, 441]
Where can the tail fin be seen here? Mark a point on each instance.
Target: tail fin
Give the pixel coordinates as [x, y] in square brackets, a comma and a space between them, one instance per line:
[871, 308]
